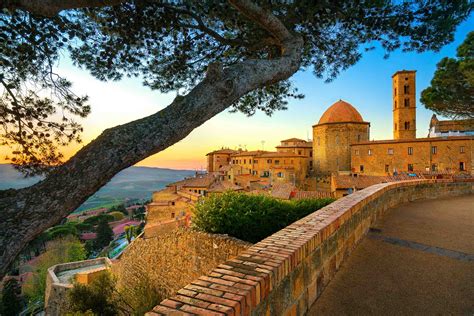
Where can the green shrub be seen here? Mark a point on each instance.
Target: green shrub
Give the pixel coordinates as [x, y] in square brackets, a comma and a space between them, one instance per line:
[97, 297]
[94, 220]
[250, 217]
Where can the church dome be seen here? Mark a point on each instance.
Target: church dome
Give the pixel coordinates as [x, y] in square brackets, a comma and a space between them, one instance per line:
[341, 111]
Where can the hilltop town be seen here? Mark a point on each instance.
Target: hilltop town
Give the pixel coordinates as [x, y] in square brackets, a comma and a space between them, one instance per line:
[340, 160]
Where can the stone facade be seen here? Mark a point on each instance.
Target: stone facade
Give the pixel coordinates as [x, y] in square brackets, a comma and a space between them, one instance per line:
[437, 155]
[285, 273]
[404, 104]
[218, 158]
[332, 152]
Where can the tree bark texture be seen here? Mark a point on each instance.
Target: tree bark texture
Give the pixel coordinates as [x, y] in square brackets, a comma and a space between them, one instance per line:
[27, 212]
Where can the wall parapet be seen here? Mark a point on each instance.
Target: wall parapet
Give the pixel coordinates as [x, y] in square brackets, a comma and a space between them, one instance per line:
[286, 272]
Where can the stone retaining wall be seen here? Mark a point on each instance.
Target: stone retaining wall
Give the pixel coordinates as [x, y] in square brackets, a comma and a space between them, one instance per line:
[285, 273]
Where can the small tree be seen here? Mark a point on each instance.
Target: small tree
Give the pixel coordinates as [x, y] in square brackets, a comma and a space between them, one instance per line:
[11, 301]
[452, 88]
[130, 232]
[96, 298]
[105, 235]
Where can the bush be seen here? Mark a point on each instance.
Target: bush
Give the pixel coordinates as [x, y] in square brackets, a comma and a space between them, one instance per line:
[250, 217]
[94, 220]
[97, 298]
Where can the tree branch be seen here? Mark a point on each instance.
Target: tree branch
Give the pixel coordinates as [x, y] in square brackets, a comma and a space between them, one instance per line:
[33, 210]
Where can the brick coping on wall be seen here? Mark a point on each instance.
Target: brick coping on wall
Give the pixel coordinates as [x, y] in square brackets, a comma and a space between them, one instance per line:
[282, 265]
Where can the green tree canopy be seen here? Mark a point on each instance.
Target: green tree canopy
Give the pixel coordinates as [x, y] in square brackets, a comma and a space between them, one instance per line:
[451, 92]
[105, 235]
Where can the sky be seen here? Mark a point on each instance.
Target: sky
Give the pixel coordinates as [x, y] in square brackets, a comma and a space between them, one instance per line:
[366, 85]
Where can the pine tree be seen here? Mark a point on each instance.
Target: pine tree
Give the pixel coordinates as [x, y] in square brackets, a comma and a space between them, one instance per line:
[105, 235]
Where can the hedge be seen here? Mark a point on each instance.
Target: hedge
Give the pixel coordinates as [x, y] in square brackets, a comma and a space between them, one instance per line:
[250, 217]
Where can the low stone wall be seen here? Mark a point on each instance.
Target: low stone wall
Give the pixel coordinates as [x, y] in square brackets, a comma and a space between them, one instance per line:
[285, 273]
[56, 291]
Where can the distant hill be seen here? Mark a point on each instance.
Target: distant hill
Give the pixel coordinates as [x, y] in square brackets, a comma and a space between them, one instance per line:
[134, 183]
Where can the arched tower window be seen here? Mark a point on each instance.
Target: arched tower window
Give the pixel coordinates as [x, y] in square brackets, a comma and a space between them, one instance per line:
[395, 104]
[407, 102]
[407, 125]
[358, 138]
[395, 126]
[406, 89]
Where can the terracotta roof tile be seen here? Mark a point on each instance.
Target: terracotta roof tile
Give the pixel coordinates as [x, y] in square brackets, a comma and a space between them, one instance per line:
[341, 111]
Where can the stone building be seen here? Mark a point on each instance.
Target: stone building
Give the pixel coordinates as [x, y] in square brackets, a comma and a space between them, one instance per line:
[341, 147]
[404, 104]
[338, 128]
[218, 158]
[449, 154]
[450, 127]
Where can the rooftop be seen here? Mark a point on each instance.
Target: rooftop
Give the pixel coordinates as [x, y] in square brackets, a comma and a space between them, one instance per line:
[341, 112]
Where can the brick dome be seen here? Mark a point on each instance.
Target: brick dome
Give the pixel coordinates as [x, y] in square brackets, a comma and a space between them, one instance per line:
[341, 111]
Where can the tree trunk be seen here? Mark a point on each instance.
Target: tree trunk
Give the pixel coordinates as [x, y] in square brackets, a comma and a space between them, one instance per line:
[27, 212]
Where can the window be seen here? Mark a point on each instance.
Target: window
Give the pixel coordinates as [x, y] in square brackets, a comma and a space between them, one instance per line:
[390, 151]
[356, 152]
[410, 167]
[277, 162]
[395, 104]
[172, 203]
[369, 152]
[406, 89]
[462, 166]
[245, 161]
[395, 126]
[434, 167]
[269, 161]
[299, 152]
[434, 150]
[358, 138]
[406, 103]
[461, 149]
[311, 153]
[280, 174]
[337, 140]
[233, 161]
[255, 161]
[387, 167]
[172, 215]
[361, 168]
[410, 151]
[407, 125]
[395, 91]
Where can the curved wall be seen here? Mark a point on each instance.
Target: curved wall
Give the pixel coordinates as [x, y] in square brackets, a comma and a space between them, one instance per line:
[285, 273]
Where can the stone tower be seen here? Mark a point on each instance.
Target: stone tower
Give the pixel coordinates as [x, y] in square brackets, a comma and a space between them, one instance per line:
[404, 104]
[339, 127]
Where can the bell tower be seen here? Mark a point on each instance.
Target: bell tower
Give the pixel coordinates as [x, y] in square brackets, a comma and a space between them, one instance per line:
[404, 104]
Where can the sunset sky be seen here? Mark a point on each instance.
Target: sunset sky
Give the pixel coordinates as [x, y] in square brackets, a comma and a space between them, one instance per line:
[367, 86]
